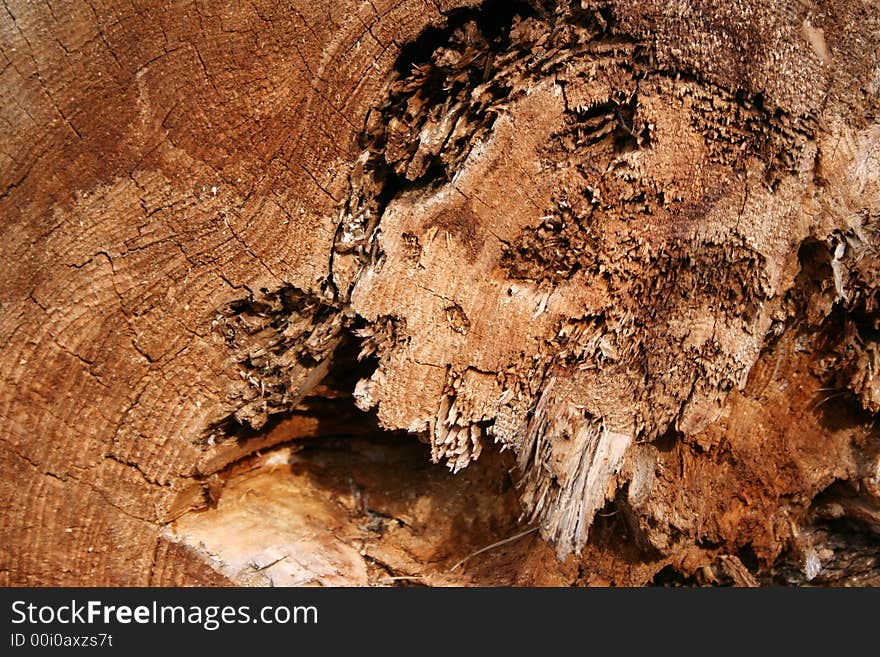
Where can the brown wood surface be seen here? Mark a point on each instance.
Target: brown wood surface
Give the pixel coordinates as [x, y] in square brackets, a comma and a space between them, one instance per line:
[633, 242]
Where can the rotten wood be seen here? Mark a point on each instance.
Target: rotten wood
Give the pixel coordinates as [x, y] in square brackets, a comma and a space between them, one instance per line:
[632, 245]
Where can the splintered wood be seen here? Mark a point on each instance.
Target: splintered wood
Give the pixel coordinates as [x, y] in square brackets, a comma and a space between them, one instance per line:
[551, 207]
[569, 462]
[633, 244]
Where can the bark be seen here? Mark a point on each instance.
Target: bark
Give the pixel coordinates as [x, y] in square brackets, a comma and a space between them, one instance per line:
[613, 263]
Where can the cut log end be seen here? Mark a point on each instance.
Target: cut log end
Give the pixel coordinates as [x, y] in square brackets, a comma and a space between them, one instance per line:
[627, 251]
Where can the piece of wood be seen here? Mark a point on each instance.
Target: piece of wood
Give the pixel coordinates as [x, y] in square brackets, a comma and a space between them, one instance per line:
[634, 243]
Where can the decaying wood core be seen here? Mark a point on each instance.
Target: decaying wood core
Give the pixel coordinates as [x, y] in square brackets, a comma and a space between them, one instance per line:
[614, 263]
[561, 240]
[638, 183]
[634, 181]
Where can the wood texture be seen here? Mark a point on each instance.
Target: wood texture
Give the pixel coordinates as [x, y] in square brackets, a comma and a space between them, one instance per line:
[633, 243]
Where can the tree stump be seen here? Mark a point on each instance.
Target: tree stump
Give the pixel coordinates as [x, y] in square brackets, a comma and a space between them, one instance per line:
[613, 264]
